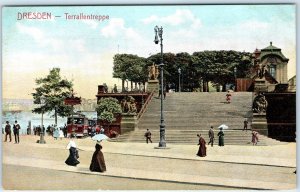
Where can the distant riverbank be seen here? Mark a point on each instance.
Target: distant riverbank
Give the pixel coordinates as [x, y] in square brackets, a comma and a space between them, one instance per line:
[24, 117]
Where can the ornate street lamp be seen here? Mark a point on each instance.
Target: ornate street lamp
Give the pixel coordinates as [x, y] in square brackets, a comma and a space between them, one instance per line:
[179, 86]
[42, 140]
[158, 38]
[234, 71]
[235, 82]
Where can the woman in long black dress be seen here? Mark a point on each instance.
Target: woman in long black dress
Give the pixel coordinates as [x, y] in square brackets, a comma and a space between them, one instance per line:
[73, 156]
[221, 137]
[98, 163]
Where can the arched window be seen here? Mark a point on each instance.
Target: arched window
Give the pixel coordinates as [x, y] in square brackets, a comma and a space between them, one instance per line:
[272, 70]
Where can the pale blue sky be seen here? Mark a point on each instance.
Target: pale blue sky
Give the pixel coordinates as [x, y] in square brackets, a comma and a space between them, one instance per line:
[84, 49]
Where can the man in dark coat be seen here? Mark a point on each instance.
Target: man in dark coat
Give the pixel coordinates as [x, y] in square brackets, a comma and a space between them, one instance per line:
[16, 131]
[148, 136]
[98, 163]
[202, 147]
[211, 136]
[245, 125]
[7, 131]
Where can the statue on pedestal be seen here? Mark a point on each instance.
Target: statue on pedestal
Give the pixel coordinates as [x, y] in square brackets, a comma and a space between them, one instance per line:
[153, 72]
[260, 104]
[261, 70]
[128, 105]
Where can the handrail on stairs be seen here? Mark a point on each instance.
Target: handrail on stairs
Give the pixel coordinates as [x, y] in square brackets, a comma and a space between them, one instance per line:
[143, 109]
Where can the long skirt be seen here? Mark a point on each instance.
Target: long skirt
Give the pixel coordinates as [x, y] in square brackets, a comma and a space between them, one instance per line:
[221, 141]
[98, 163]
[72, 159]
[202, 151]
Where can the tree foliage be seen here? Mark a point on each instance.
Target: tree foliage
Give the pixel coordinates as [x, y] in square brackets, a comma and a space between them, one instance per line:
[106, 109]
[130, 67]
[197, 69]
[54, 90]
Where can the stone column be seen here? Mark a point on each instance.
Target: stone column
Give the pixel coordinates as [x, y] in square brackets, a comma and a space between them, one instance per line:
[153, 85]
[259, 123]
[128, 122]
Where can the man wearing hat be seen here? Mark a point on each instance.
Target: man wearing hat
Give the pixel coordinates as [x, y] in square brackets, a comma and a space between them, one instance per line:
[7, 131]
[16, 131]
[211, 136]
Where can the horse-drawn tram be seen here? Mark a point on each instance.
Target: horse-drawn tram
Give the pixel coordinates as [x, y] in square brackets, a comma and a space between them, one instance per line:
[78, 124]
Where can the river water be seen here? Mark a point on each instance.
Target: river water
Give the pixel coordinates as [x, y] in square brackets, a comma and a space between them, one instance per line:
[25, 117]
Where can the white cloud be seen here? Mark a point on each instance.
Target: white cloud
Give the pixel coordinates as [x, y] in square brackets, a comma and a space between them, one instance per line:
[118, 33]
[79, 45]
[181, 16]
[93, 24]
[34, 32]
[114, 28]
[42, 39]
[254, 25]
[151, 19]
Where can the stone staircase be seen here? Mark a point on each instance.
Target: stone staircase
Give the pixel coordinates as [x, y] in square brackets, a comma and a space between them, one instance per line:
[187, 114]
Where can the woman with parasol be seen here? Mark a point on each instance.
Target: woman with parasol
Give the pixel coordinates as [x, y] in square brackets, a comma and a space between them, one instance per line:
[221, 134]
[98, 162]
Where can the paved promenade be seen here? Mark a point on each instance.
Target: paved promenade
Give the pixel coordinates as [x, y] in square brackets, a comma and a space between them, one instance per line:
[239, 167]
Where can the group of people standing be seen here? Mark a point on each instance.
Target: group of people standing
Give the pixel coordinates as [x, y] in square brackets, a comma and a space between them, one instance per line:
[97, 162]
[16, 130]
[211, 135]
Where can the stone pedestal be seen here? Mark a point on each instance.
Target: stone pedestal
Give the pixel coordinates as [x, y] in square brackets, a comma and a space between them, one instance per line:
[128, 122]
[259, 123]
[260, 85]
[153, 85]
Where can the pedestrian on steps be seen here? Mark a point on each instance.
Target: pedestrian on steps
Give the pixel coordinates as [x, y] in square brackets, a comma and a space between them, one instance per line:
[211, 136]
[228, 97]
[245, 125]
[221, 137]
[202, 147]
[254, 137]
[148, 136]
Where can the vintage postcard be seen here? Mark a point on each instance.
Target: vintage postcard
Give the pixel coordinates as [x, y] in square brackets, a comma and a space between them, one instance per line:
[149, 97]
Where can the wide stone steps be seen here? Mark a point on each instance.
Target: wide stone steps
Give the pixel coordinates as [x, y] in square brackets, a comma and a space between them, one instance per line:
[232, 137]
[187, 114]
[200, 109]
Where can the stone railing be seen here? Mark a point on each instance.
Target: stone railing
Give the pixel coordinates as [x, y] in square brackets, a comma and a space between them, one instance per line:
[143, 109]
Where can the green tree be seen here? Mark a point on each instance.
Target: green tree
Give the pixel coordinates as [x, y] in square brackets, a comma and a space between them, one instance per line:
[189, 79]
[54, 90]
[106, 108]
[130, 67]
[218, 66]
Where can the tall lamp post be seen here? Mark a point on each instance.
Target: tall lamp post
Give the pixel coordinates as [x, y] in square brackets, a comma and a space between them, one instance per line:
[179, 86]
[158, 38]
[235, 82]
[42, 140]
